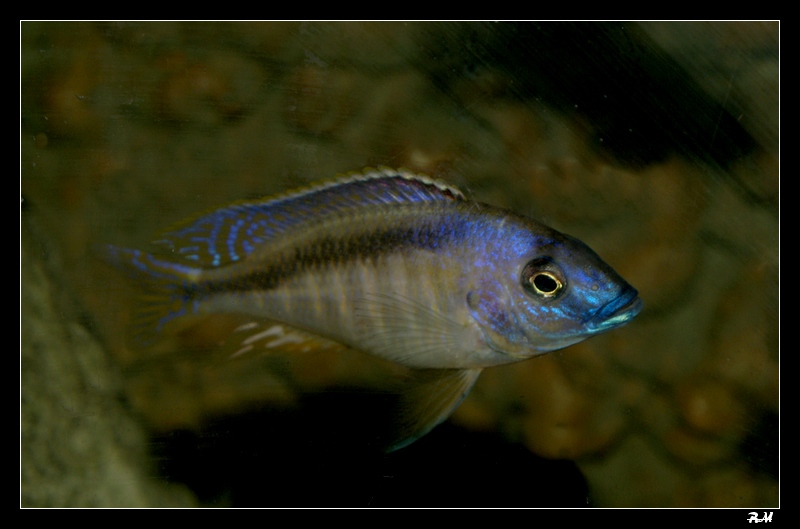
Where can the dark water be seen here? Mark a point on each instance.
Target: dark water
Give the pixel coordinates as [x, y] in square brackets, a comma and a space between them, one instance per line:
[657, 144]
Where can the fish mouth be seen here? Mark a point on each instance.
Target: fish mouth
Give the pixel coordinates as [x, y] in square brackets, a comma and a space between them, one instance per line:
[618, 311]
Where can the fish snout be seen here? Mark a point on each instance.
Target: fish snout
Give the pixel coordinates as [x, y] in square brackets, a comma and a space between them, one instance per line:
[618, 311]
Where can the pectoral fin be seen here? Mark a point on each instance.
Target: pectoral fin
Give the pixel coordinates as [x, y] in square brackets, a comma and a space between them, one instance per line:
[408, 332]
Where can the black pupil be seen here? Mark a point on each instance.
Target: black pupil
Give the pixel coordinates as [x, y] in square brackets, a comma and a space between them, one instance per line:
[545, 283]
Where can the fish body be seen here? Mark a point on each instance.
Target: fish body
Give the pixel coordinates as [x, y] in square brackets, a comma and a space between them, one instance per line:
[393, 264]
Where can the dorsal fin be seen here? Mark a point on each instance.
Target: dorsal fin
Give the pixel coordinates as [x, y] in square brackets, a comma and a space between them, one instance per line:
[228, 234]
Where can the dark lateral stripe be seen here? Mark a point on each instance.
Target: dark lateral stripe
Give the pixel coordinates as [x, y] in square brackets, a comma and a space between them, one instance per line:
[331, 250]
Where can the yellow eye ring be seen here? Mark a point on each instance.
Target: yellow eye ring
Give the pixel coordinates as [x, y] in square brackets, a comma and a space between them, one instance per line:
[545, 284]
[543, 278]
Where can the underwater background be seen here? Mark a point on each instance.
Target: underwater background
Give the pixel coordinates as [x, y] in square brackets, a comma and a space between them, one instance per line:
[654, 143]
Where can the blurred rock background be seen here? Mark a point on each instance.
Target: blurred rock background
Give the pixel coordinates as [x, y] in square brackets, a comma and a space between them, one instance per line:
[655, 143]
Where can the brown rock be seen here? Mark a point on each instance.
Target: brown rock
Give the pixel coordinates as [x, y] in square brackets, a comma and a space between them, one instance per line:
[711, 407]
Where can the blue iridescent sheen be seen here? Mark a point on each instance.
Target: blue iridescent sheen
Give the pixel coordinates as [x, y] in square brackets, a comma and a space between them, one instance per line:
[238, 257]
[390, 263]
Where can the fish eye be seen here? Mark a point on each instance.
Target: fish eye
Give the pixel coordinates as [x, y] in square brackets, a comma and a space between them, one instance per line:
[543, 278]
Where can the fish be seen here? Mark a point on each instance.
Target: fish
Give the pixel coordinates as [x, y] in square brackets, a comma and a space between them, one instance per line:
[391, 263]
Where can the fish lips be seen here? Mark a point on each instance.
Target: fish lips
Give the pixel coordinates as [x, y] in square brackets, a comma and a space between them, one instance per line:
[618, 311]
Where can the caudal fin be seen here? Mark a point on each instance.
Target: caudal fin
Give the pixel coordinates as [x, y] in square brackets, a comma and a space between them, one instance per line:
[166, 291]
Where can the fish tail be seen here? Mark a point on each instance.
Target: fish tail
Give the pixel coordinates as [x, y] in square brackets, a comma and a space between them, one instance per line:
[166, 290]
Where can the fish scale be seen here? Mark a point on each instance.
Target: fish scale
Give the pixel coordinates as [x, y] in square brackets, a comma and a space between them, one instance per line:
[310, 278]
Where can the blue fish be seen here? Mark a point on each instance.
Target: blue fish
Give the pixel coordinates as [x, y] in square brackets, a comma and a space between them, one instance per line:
[393, 264]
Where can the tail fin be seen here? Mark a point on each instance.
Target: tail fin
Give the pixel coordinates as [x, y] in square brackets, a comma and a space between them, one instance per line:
[166, 290]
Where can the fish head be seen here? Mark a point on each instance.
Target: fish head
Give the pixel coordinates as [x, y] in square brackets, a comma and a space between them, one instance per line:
[544, 291]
